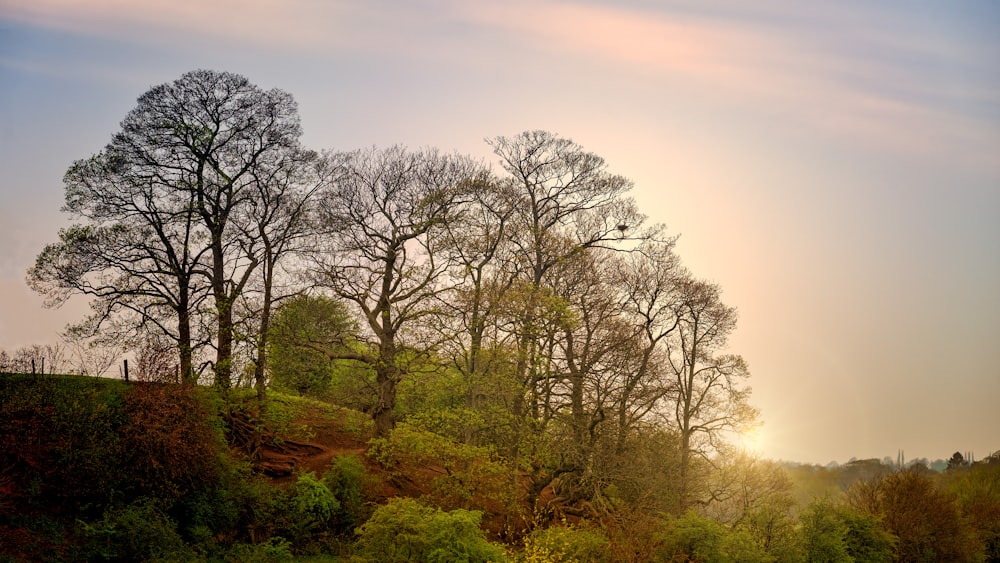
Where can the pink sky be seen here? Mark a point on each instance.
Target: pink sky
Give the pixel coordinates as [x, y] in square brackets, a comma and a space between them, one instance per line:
[833, 167]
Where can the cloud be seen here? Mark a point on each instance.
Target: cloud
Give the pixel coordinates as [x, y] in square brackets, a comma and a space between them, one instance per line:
[846, 71]
[835, 72]
[292, 24]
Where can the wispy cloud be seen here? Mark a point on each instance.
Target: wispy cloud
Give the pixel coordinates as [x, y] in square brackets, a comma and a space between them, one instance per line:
[837, 72]
[841, 70]
[293, 24]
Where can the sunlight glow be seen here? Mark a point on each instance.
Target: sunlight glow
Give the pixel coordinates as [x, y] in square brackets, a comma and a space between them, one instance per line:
[752, 440]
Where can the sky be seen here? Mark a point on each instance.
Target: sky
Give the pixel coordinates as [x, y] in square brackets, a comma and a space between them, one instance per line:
[833, 166]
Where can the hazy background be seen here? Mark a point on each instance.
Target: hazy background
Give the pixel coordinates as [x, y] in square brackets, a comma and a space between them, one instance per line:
[835, 168]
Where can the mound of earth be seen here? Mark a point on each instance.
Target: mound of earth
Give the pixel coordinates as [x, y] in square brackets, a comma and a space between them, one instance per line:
[326, 439]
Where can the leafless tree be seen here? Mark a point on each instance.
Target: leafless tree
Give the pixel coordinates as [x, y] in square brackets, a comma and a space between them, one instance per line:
[162, 207]
[380, 253]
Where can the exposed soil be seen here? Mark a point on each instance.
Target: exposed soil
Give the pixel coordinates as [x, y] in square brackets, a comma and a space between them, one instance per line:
[316, 440]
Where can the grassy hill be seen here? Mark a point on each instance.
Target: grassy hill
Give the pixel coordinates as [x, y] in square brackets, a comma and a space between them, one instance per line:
[100, 469]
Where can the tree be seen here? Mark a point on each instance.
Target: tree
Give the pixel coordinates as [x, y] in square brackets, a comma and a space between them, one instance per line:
[380, 253]
[566, 202]
[926, 521]
[648, 281]
[710, 397]
[835, 533]
[957, 461]
[276, 225]
[476, 243]
[977, 493]
[307, 332]
[135, 256]
[36, 358]
[162, 206]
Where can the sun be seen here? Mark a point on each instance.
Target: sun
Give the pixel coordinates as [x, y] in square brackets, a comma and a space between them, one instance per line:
[752, 439]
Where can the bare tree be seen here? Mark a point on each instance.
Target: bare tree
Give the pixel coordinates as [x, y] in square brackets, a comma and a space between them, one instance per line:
[36, 358]
[565, 203]
[155, 360]
[277, 223]
[381, 255]
[136, 256]
[648, 282]
[89, 356]
[161, 206]
[711, 397]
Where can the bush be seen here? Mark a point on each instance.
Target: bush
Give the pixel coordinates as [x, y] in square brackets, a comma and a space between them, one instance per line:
[694, 538]
[137, 532]
[468, 472]
[565, 544]
[346, 479]
[60, 449]
[313, 505]
[274, 550]
[406, 530]
[172, 446]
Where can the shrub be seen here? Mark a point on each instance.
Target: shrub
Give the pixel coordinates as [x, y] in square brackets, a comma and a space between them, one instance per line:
[346, 479]
[60, 449]
[206, 513]
[137, 532]
[313, 504]
[695, 538]
[172, 446]
[466, 472]
[406, 530]
[274, 550]
[565, 544]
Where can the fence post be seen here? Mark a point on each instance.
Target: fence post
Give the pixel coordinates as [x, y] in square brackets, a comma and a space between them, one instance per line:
[126, 370]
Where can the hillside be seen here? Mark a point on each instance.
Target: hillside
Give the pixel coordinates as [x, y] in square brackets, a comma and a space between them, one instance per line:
[103, 470]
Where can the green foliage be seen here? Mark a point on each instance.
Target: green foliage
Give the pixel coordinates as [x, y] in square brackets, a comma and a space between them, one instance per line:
[305, 332]
[565, 544]
[346, 479]
[209, 512]
[465, 471]
[263, 509]
[926, 521]
[771, 531]
[313, 504]
[825, 534]
[405, 530]
[837, 533]
[691, 537]
[60, 443]
[137, 532]
[274, 550]
[866, 540]
[977, 492]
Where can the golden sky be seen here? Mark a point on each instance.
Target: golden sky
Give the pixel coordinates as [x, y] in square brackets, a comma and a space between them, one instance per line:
[834, 167]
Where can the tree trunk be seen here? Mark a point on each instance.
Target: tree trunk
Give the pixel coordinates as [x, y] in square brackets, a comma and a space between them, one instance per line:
[386, 377]
[185, 348]
[265, 325]
[224, 310]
